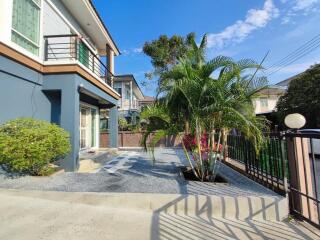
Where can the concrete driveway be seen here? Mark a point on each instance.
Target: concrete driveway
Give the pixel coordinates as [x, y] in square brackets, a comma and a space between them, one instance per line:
[30, 215]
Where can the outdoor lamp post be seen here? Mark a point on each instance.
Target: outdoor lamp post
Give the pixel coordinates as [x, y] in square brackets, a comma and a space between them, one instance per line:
[295, 121]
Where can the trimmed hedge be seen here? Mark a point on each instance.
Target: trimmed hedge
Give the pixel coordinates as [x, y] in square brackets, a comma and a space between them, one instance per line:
[29, 146]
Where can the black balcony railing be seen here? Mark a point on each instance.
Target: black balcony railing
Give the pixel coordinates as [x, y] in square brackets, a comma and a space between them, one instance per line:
[71, 47]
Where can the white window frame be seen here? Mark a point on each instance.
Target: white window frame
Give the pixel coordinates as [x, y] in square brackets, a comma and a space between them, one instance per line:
[87, 105]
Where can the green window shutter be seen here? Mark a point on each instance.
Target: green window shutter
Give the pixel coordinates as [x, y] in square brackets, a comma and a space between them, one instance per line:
[83, 54]
[26, 24]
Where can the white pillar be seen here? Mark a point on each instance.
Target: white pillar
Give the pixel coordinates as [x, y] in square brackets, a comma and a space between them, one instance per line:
[131, 96]
[110, 56]
[123, 92]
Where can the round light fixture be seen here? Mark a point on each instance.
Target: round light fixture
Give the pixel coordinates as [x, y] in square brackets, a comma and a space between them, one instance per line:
[295, 121]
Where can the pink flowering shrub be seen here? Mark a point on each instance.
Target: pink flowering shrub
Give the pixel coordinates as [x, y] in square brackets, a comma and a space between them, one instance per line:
[190, 143]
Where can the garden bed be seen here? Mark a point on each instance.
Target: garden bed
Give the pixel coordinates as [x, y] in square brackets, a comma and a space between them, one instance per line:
[188, 175]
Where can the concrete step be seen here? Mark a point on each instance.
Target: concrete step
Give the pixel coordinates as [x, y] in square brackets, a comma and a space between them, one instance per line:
[243, 208]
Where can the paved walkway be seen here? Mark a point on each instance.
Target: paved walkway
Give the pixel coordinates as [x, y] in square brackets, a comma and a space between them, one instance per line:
[134, 171]
[28, 215]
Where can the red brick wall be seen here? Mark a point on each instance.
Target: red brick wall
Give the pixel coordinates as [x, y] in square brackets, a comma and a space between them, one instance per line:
[133, 139]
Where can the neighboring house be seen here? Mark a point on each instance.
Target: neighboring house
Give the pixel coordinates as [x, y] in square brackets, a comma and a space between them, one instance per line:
[131, 95]
[266, 102]
[267, 99]
[50, 69]
[146, 101]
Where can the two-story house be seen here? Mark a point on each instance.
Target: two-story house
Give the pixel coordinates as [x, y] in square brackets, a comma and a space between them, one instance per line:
[266, 102]
[131, 95]
[51, 68]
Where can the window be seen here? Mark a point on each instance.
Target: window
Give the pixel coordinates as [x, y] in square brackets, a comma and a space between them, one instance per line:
[128, 93]
[104, 124]
[84, 54]
[26, 24]
[118, 90]
[104, 120]
[264, 102]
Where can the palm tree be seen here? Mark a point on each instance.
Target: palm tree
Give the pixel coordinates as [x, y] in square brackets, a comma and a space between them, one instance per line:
[193, 98]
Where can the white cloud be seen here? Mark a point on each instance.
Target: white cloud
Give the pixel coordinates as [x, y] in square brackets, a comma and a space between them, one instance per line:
[304, 4]
[255, 19]
[137, 50]
[132, 51]
[125, 52]
[299, 7]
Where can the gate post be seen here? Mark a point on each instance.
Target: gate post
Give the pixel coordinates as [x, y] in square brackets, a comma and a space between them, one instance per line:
[301, 184]
[294, 200]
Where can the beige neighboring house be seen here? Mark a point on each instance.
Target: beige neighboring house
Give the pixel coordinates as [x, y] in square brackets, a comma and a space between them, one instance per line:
[267, 100]
[146, 101]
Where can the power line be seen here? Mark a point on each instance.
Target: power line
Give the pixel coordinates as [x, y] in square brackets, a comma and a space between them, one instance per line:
[297, 55]
[308, 44]
[300, 52]
[294, 59]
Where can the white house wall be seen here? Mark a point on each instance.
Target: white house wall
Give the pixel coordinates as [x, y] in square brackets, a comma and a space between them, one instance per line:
[63, 16]
[5, 20]
[53, 24]
[272, 103]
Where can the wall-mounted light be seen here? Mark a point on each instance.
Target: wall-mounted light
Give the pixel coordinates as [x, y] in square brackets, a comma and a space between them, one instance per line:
[80, 87]
[295, 121]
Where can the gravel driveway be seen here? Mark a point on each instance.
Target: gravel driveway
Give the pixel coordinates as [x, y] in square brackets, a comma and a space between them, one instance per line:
[134, 171]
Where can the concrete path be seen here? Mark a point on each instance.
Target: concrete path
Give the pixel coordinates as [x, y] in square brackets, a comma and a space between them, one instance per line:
[29, 215]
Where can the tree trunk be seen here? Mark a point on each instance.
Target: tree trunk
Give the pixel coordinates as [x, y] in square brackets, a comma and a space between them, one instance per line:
[187, 127]
[198, 138]
[213, 132]
[224, 144]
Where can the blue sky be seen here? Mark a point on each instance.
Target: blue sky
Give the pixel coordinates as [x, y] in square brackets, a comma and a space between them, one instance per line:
[235, 28]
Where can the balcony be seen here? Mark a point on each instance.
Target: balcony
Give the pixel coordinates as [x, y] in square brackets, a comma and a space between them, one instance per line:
[135, 104]
[126, 104]
[71, 48]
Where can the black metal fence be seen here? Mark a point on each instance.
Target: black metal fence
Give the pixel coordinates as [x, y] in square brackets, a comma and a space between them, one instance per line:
[288, 163]
[71, 47]
[268, 167]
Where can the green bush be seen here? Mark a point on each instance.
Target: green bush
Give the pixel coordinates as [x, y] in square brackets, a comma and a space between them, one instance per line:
[123, 124]
[29, 146]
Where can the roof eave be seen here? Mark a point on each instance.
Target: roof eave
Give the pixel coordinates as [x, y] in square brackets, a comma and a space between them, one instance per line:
[95, 11]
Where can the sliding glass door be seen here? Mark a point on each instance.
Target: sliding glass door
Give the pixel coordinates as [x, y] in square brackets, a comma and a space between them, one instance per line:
[89, 132]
